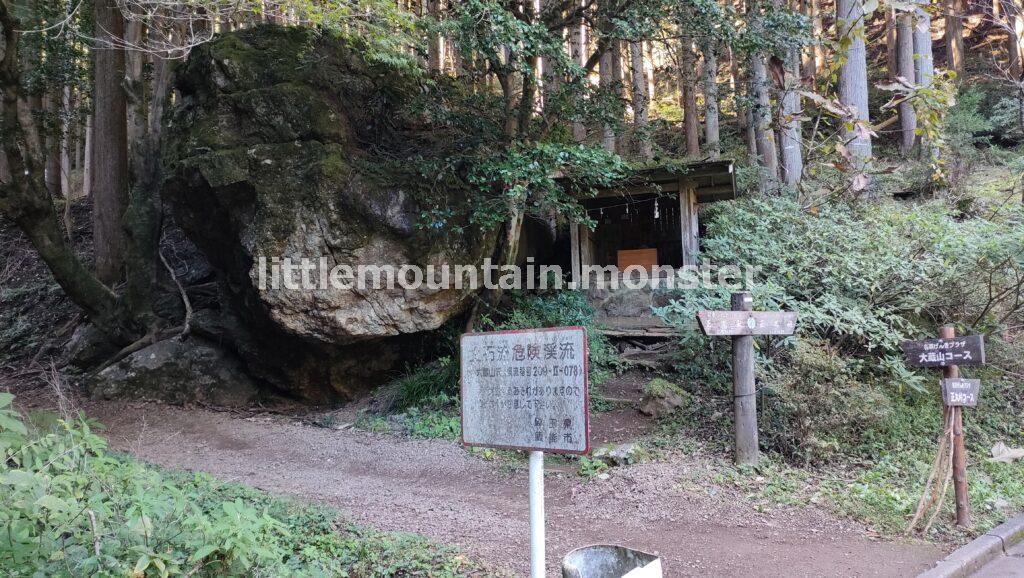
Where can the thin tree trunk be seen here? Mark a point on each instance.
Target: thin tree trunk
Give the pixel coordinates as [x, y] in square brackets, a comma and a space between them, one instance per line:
[905, 57]
[924, 68]
[51, 140]
[688, 94]
[810, 56]
[954, 35]
[110, 155]
[641, 138]
[618, 82]
[577, 53]
[924, 63]
[790, 138]
[764, 136]
[891, 45]
[135, 90]
[606, 78]
[712, 138]
[853, 77]
[87, 160]
[791, 161]
[65, 145]
[1013, 23]
[652, 85]
[435, 44]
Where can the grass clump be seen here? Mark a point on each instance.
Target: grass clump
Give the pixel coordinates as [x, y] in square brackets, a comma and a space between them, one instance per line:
[70, 507]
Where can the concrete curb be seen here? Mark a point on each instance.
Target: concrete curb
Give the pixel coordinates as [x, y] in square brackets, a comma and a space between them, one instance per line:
[970, 558]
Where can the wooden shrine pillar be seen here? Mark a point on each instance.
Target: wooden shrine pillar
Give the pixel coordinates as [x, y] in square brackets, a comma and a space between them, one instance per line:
[688, 226]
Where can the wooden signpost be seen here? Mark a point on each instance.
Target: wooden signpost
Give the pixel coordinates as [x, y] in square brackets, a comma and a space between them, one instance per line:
[950, 352]
[742, 324]
[527, 390]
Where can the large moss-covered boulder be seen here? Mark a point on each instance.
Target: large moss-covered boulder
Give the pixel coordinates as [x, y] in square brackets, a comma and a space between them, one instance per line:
[279, 145]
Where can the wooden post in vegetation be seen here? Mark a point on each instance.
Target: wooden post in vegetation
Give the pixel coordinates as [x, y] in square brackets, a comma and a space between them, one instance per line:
[963, 509]
[743, 392]
[742, 324]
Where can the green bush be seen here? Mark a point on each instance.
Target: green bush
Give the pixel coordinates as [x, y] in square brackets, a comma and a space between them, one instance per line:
[815, 405]
[68, 507]
[558, 309]
[862, 278]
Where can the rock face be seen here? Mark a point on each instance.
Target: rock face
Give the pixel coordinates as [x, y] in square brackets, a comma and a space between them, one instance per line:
[177, 372]
[276, 149]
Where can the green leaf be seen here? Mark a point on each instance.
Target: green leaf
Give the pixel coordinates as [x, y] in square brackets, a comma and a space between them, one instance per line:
[51, 502]
[11, 423]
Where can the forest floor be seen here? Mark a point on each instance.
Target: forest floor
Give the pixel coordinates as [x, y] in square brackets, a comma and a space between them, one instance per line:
[440, 490]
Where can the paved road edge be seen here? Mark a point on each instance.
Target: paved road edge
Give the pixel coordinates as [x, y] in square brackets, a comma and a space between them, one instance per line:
[970, 558]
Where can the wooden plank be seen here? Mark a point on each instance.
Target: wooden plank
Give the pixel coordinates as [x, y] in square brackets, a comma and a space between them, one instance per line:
[747, 322]
[967, 350]
[586, 246]
[646, 258]
[688, 225]
[959, 392]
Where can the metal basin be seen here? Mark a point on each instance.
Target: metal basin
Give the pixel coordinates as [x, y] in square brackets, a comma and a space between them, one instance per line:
[606, 561]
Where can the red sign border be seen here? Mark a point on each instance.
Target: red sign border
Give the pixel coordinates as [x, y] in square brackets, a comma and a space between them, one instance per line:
[586, 393]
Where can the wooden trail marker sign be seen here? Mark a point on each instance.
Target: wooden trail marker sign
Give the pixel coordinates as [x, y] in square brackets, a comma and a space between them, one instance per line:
[742, 324]
[959, 392]
[969, 350]
[949, 352]
[718, 323]
[527, 390]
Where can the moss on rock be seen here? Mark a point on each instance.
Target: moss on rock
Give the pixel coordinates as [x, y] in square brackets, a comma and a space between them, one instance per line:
[281, 146]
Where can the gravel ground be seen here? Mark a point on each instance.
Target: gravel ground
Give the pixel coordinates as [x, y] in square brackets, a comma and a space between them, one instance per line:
[438, 489]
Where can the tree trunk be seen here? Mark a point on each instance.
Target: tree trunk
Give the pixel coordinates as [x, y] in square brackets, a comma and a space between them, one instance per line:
[711, 132]
[790, 137]
[51, 140]
[65, 145]
[924, 64]
[87, 161]
[791, 160]
[641, 137]
[618, 83]
[764, 136]
[892, 61]
[853, 77]
[811, 60]
[135, 91]
[1013, 23]
[435, 44]
[688, 94]
[577, 53]
[924, 68]
[606, 77]
[109, 175]
[905, 57]
[954, 36]
[27, 203]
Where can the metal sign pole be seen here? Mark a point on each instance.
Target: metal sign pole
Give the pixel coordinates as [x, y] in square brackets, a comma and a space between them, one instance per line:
[537, 556]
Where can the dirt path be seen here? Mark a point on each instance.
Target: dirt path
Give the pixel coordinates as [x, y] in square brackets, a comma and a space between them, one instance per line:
[437, 489]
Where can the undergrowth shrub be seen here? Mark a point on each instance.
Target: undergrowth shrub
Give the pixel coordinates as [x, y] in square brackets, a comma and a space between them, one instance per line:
[558, 309]
[815, 404]
[862, 278]
[69, 507]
